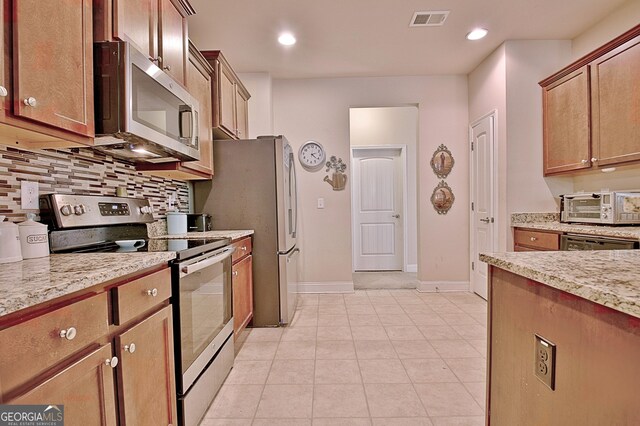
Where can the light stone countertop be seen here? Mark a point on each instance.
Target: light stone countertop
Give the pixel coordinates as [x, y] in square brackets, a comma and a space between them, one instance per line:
[233, 234]
[608, 277]
[34, 281]
[625, 232]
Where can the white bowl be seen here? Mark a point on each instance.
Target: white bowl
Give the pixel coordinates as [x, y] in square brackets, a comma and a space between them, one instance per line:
[130, 244]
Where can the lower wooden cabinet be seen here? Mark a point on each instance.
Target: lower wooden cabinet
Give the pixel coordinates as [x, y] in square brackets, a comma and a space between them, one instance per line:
[85, 388]
[533, 240]
[242, 293]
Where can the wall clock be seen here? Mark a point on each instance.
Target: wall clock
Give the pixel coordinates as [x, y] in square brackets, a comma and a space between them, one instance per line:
[312, 156]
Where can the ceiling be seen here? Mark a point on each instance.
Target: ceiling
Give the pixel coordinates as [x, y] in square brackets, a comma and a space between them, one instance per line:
[349, 38]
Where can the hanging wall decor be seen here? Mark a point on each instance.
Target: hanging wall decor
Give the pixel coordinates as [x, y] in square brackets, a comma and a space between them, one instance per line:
[338, 179]
[442, 162]
[442, 198]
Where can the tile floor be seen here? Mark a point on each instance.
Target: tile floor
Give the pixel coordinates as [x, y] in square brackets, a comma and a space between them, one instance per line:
[374, 357]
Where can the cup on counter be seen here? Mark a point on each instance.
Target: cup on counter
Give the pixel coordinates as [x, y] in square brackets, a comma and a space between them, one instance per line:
[176, 223]
[34, 238]
[10, 250]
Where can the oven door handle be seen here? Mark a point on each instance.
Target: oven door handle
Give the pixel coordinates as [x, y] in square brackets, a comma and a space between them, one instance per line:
[194, 267]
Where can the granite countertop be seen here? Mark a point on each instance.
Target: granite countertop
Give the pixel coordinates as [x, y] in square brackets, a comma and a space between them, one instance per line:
[608, 277]
[626, 232]
[34, 281]
[233, 234]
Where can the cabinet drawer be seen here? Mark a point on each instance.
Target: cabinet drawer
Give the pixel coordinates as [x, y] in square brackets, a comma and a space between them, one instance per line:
[536, 239]
[243, 248]
[30, 348]
[138, 296]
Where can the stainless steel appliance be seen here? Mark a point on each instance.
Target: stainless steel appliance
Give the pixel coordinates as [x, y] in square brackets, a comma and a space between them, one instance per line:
[198, 222]
[607, 207]
[201, 284]
[254, 187]
[587, 242]
[142, 115]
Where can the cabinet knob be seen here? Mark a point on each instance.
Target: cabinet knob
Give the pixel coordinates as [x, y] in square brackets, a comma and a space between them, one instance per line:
[243, 248]
[153, 292]
[234, 273]
[112, 362]
[3, 91]
[167, 68]
[593, 160]
[30, 101]
[533, 238]
[131, 348]
[69, 333]
[585, 161]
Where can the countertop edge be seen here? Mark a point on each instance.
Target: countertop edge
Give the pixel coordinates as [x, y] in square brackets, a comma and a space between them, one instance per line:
[595, 230]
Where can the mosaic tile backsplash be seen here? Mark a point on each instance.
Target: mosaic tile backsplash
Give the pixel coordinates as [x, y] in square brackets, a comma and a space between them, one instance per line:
[80, 171]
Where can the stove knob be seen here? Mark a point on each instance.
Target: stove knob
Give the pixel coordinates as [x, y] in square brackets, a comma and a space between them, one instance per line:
[66, 210]
[79, 209]
[146, 210]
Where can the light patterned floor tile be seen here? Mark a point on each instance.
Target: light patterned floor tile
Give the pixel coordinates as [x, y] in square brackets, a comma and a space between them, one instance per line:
[249, 373]
[393, 400]
[375, 349]
[340, 349]
[331, 401]
[286, 401]
[341, 371]
[447, 399]
[383, 371]
[291, 372]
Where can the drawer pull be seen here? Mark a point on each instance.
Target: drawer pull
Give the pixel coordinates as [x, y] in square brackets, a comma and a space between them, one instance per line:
[243, 248]
[152, 292]
[69, 333]
[112, 362]
[533, 238]
[234, 273]
[30, 101]
[130, 348]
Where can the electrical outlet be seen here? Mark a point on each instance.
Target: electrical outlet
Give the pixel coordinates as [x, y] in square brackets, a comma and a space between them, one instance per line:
[29, 195]
[545, 361]
[321, 203]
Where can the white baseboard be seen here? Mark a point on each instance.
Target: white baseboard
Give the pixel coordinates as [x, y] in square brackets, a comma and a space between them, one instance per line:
[412, 268]
[325, 287]
[442, 286]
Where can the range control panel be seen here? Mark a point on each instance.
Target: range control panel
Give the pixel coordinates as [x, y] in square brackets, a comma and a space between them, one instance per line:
[114, 209]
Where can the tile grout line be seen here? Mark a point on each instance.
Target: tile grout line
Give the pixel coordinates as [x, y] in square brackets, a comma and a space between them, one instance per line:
[364, 389]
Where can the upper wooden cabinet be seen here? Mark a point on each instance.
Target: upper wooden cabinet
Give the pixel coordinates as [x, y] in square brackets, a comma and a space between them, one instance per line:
[230, 100]
[46, 73]
[157, 28]
[591, 109]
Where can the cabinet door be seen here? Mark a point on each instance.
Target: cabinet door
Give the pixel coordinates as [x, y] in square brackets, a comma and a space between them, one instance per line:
[173, 40]
[47, 89]
[199, 85]
[85, 388]
[5, 13]
[226, 100]
[615, 105]
[136, 21]
[242, 293]
[242, 113]
[566, 144]
[146, 381]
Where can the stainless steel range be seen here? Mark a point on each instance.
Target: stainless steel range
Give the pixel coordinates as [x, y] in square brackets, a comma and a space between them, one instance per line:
[201, 284]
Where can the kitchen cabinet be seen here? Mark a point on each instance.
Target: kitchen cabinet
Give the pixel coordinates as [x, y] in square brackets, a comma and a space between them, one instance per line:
[157, 28]
[46, 102]
[590, 110]
[199, 84]
[530, 240]
[242, 281]
[230, 99]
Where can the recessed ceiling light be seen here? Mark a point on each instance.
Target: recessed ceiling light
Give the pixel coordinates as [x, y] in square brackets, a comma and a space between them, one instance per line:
[287, 39]
[477, 34]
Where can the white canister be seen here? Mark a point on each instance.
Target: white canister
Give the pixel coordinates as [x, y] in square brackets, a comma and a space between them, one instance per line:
[176, 223]
[34, 238]
[9, 242]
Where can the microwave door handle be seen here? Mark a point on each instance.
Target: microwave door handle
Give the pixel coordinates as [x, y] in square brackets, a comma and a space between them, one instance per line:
[194, 267]
[194, 127]
[185, 109]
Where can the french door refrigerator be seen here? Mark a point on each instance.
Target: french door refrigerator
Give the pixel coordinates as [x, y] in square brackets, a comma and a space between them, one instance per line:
[254, 187]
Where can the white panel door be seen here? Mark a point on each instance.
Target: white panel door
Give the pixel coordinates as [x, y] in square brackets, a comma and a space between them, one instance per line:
[482, 138]
[378, 218]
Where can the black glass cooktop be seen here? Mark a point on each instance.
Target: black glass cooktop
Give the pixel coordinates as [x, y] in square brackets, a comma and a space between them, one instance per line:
[184, 248]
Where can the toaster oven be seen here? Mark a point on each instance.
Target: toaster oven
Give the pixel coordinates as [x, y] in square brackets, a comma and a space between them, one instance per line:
[606, 207]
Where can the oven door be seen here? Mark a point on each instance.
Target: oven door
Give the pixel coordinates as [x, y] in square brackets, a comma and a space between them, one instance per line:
[204, 311]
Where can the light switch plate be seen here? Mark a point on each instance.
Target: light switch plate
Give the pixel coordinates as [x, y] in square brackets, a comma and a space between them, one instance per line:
[321, 203]
[545, 361]
[29, 195]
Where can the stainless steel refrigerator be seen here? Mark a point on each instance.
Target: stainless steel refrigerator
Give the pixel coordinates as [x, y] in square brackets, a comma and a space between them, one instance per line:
[254, 187]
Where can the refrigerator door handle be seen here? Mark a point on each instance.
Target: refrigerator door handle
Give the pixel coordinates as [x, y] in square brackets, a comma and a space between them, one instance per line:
[294, 201]
[294, 251]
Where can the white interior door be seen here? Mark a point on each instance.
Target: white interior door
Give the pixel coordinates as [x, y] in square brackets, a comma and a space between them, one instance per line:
[482, 215]
[378, 209]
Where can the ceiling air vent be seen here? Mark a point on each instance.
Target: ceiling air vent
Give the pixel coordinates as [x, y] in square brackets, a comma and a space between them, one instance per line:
[429, 19]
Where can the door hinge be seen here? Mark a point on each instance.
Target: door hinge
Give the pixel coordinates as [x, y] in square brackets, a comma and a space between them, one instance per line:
[472, 206]
[471, 146]
[473, 266]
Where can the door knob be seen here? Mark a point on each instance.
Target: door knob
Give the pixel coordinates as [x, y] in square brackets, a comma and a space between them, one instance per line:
[397, 216]
[485, 220]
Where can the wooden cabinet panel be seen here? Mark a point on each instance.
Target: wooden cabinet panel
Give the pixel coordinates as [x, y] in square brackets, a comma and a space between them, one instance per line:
[242, 113]
[146, 376]
[243, 248]
[242, 293]
[226, 100]
[53, 63]
[139, 296]
[615, 108]
[173, 40]
[85, 388]
[5, 52]
[37, 345]
[536, 240]
[137, 22]
[566, 123]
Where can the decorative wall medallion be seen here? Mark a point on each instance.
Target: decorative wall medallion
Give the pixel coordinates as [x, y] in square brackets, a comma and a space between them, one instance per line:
[338, 179]
[442, 198]
[442, 162]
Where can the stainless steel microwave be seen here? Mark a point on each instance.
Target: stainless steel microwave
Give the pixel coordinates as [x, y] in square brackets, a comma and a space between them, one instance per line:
[607, 207]
[142, 114]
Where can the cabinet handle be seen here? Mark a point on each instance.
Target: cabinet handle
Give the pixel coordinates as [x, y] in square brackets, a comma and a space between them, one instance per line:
[585, 161]
[243, 248]
[234, 273]
[30, 101]
[593, 160]
[3, 91]
[152, 292]
[130, 348]
[112, 362]
[533, 238]
[69, 333]
[168, 68]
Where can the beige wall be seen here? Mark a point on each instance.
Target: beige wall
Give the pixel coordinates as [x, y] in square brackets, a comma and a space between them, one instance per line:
[319, 109]
[393, 126]
[260, 103]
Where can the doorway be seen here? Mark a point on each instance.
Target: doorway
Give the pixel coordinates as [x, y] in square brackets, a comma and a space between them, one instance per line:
[483, 198]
